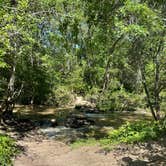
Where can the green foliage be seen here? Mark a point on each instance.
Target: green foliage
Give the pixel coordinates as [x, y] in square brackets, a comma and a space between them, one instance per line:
[83, 142]
[7, 150]
[61, 96]
[75, 81]
[135, 132]
[163, 101]
[120, 101]
[164, 122]
[90, 48]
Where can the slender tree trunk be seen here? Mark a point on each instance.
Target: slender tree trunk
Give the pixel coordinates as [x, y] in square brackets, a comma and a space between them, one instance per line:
[106, 77]
[9, 101]
[148, 95]
[157, 79]
[157, 96]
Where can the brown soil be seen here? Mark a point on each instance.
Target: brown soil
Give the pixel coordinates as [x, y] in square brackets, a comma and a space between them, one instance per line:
[53, 153]
[40, 151]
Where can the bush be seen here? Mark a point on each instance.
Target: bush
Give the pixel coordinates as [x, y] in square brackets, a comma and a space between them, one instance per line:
[7, 150]
[135, 132]
[92, 95]
[163, 101]
[119, 101]
[61, 96]
[140, 131]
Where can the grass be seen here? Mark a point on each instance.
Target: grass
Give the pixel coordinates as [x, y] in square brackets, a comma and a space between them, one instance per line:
[8, 150]
[84, 142]
[140, 131]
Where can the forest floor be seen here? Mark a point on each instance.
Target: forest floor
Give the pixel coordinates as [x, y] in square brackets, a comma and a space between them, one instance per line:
[40, 151]
[44, 152]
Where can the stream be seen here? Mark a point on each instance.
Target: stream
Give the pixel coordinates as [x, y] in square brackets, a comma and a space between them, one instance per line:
[84, 130]
[69, 124]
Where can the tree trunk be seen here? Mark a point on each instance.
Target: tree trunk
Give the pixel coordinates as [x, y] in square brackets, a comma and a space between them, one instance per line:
[106, 77]
[8, 106]
[157, 96]
[13, 2]
[148, 95]
[157, 79]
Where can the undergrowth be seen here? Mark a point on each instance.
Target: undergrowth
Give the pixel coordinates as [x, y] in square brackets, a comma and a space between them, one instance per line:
[140, 131]
[7, 150]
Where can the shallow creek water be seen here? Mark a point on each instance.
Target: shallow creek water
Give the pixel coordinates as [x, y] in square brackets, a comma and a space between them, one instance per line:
[103, 122]
[69, 134]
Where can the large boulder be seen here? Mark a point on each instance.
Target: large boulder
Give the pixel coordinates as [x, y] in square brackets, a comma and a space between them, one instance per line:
[85, 106]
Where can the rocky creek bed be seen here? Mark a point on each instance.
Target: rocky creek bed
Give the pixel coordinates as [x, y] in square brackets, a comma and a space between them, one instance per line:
[46, 140]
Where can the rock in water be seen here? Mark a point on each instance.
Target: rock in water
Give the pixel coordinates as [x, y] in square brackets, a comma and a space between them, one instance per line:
[53, 123]
[77, 121]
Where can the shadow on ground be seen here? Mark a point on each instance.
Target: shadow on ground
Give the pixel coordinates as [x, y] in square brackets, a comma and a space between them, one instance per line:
[17, 128]
[146, 154]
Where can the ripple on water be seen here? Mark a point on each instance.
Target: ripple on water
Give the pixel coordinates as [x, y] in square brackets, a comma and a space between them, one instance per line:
[62, 132]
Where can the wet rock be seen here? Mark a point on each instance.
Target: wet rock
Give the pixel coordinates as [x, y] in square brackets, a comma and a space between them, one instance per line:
[53, 122]
[86, 109]
[77, 121]
[47, 123]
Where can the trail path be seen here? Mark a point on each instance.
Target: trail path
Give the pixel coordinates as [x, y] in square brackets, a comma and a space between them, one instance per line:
[40, 151]
[53, 153]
